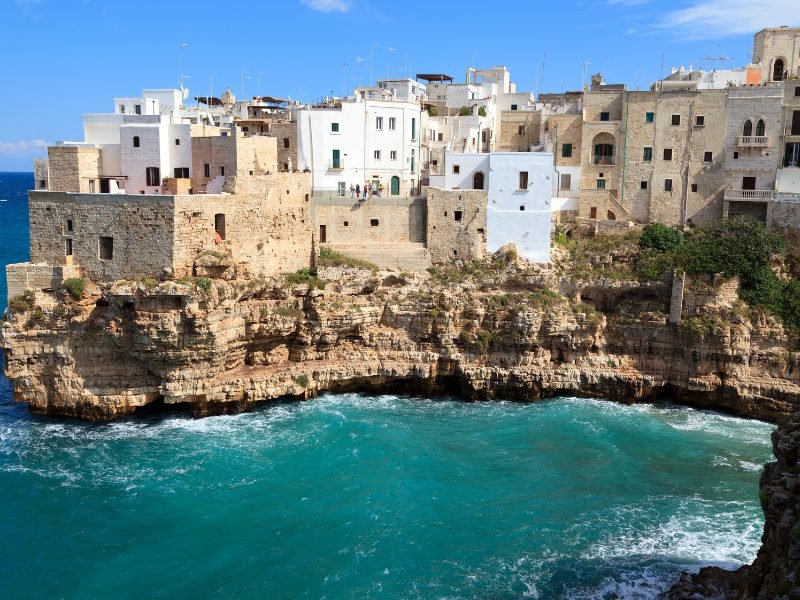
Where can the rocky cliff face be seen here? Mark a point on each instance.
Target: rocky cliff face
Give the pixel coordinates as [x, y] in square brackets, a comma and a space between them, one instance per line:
[496, 333]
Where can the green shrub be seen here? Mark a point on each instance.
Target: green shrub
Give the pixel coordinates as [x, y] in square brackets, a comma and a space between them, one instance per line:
[307, 276]
[302, 380]
[23, 302]
[290, 311]
[204, 283]
[660, 237]
[464, 111]
[481, 111]
[147, 281]
[433, 111]
[328, 257]
[790, 308]
[74, 287]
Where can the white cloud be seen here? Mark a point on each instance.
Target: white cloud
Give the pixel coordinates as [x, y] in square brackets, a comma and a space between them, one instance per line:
[328, 5]
[721, 18]
[24, 148]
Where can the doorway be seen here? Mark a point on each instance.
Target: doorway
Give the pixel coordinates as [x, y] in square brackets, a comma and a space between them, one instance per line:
[395, 186]
[477, 181]
[323, 234]
[748, 183]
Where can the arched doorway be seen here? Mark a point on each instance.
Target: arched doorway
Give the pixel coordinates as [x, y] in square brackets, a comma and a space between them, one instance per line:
[477, 181]
[611, 216]
[395, 186]
[777, 70]
[603, 144]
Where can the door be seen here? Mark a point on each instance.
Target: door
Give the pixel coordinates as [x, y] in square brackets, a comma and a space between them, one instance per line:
[748, 183]
[477, 181]
[323, 237]
[336, 160]
[395, 191]
[105, 186]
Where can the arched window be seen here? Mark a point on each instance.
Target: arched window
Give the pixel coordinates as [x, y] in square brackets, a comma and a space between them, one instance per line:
[747, 131]
[777, 70]
[136, 141]
[761, 128]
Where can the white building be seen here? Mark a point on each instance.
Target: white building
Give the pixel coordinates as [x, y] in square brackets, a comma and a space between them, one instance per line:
[519, 206]
[361, 140]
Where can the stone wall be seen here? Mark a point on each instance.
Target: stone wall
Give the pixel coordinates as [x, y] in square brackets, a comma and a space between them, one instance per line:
[281, 131]
[510, 139]
[785, 219]
[71, 168]
[456, 224]
[41, 175]
[267, 225]
[378, 220]
[29, 276]
[141, 228]
[233, 157]
[634, 194]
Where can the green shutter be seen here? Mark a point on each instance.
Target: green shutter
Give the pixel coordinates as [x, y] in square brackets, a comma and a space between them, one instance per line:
[649, 117]
[648, 154]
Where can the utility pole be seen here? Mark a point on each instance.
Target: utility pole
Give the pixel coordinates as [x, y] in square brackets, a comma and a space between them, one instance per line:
[181, 46]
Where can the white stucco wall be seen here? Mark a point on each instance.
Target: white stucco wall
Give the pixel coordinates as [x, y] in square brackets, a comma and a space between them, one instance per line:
[468, 164]
[788, 180]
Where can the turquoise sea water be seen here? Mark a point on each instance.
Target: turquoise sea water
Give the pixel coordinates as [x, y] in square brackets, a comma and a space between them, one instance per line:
[351, 496]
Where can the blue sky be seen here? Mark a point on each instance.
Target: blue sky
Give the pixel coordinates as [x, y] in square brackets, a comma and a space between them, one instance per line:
[63, 58]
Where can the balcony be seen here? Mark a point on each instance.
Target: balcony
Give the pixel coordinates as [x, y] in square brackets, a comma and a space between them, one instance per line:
[756, 195]
[753, 141]
[603, 161]
[335, 164]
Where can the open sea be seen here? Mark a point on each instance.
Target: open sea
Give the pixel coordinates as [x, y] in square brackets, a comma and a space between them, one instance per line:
[356, 496]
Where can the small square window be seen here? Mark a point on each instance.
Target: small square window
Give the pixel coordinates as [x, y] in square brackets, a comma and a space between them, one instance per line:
[601, 184]
[457, 215]
[668, 185]
[605, 116]
[334, 128]
[373, 222]
[566, 151]
[392, 154]
[694, 187]
[435, 163]
[649, 117]
[676, 119]
[708, 157]
[667, 153]
[522, 208]
[643, 185]
[177, 141]
[376, 155]
[42, 184]
[700, 120]
[513, 107]
[456, 169]
[346, 224]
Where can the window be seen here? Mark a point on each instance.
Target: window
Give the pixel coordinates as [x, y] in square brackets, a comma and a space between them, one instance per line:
[286, 142]
[376, 155]
[122, 108]
[435, 163]
[747, 130]
[68, 247]
[181, 172]
[440, 137]
[334, 128]
[521, 130]
[604, 154]
[68, 226]
[392, 123]
[668, 185]
[341, 188]
[601, 184]
[137, 109]
[513, 107]
[346, 224]
[648, 155]
[456, 169]
[153, 176]
[105, 248]
[676, 119]
[566, 151]
[373, 222]
[694, 187]
[593, 212]
[219, 227]
[735, 156]
[206, 170]
[177, 141]
[413, 129]
[523, 180]
[643, 185]
[457, 215]
[649, 117]
[136, 141]
[522, 207]
[566, 182]
[42, 184]
[797, 91]
[700, 120]
[761, 128]
[708, 157]
[667, 153]
[379, 123]
[222, 171]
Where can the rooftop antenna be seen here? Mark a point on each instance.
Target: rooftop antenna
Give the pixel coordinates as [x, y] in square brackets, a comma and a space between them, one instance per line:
[258, 83]
[359, 60]
[389, 49]
[720, 59]
[244, 76]
[181, 46]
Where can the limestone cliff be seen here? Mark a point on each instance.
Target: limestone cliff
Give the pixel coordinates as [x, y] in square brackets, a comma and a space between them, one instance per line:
[498, 333]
